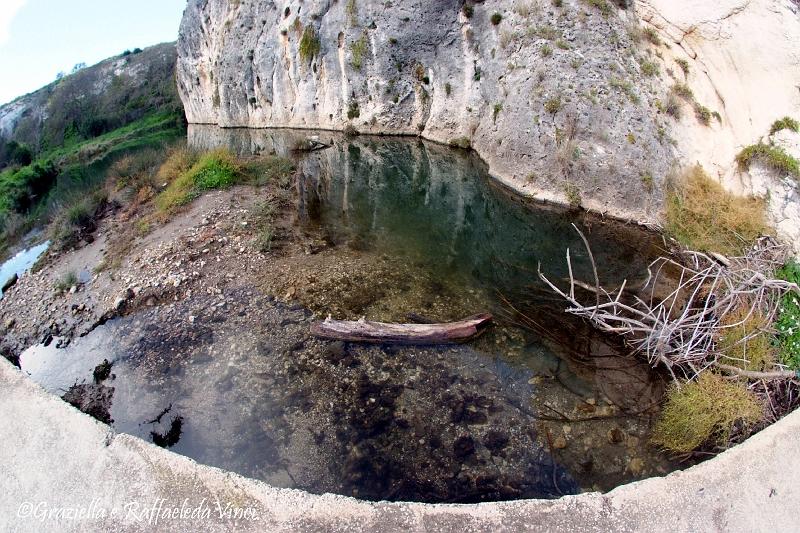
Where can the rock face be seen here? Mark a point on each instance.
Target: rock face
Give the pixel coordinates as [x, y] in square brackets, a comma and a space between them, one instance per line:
[741, 59]
[557, 100]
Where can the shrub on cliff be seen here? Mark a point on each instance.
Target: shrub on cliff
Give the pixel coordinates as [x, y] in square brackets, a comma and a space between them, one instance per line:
[702, 215]
[309, 44]
[773, 157]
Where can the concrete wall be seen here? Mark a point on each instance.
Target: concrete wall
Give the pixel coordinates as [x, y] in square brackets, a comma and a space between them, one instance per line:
[61, 470]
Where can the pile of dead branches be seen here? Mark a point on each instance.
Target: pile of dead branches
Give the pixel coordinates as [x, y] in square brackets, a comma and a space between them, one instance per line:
[680, 327]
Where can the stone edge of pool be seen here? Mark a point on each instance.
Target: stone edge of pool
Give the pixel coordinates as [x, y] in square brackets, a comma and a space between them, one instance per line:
[56, 462]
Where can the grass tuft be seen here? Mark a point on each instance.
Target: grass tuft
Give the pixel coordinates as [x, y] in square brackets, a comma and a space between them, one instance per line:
[785, 123]
[704, 413]
[773, 157]
[309, 44]
[704, 216]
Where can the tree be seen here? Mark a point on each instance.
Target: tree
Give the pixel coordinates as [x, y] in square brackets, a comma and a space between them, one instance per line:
[77, 67]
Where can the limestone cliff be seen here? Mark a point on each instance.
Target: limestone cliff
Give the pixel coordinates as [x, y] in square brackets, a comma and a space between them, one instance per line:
[573, 100]
[553, 98]
[742, 59]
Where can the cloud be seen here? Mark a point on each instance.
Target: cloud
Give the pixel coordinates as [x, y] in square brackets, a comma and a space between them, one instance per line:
[8, 11]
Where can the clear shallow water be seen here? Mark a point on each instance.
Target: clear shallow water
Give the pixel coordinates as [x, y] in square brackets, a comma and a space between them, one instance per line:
[254, 394]
[21, 262]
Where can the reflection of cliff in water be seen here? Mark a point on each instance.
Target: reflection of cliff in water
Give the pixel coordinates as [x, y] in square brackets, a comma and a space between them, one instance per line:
[430, 203]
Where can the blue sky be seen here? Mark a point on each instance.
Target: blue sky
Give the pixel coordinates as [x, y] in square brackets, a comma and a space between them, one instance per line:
[39, 38]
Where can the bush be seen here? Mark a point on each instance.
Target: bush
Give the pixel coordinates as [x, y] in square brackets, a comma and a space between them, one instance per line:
[496, 18]
[358, 50]
[704, 413]
[468, 11]
[704, 216]
[573, 195]
[309, 44]
[773, 157]
[65, 282]
[188, 175]
[785, 123]
[553, 105]
[684, 65]
[601, 5]
[215, 169]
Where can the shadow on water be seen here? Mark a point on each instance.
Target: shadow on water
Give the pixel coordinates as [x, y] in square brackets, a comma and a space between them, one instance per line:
[245, 388]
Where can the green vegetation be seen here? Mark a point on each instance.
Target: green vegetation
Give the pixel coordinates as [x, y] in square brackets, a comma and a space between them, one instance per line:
[460, 142]
[651, 35]
[496, 111]
[702, 113]
[773, 157]
[703, 413]
[448, 88]
[264, 219]
[553, 105]
[704, 216]
[353, 111]
[573, 195]
[683, 91]
[785, 123]
[66, 281]
[352, 12]
[188, 175]
[684, 65]
[468, 11]
[546, 50]
[309, 44]
[358, 49]
[746, 342]
[496, 18]
[625, 87]
[788, 321]
[649, 68]
[562, 44]
[647, 181]
[601, 5]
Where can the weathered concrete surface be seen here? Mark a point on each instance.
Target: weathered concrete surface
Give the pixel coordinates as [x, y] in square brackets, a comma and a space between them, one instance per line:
[55, 461]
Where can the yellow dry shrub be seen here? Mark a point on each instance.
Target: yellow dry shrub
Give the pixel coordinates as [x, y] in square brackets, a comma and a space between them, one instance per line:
[703, 216]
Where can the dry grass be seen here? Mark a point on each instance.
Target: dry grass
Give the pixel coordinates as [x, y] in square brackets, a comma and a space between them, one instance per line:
[705, 413]
[704, 216]
[746, 342]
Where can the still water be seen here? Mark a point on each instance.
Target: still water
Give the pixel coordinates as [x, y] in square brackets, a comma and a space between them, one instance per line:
[244, 387]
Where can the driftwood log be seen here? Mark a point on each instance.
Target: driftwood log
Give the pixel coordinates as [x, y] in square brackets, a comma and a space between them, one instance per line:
[384, 333]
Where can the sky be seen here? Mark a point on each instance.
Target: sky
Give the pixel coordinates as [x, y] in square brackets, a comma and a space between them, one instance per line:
[39, 38]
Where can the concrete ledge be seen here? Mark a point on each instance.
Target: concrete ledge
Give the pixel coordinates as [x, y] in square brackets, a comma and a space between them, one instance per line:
[62, 470]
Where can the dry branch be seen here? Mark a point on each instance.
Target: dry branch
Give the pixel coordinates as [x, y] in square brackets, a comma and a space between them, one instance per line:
[682, 329]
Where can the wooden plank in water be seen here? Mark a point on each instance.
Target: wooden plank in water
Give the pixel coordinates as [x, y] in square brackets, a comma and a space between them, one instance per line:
[387, 333]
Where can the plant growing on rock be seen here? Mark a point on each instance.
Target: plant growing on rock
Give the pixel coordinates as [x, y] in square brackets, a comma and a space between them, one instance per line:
[358, 50]
[573, 195]
[785, 123]
[309, 44]
[773, 157]
[496, 18]
[704, 216]
[553, 105]
[684, 65]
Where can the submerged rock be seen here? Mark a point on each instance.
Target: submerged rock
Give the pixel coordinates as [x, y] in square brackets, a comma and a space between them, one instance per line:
[94, 400]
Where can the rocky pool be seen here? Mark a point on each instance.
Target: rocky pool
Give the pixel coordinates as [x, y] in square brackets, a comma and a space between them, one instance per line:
[395, 230]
